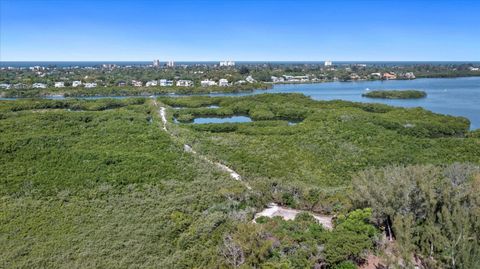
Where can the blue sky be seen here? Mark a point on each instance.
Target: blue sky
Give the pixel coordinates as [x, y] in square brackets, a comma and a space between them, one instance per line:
[61, 30]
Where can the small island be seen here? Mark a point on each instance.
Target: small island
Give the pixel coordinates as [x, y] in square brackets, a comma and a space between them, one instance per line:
[395, 94]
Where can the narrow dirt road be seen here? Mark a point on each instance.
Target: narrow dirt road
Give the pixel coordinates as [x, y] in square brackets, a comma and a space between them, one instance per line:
[222, 167]
[164, 118]
[163, 115]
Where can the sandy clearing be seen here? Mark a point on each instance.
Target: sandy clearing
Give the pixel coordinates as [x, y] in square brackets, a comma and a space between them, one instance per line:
[274, 210]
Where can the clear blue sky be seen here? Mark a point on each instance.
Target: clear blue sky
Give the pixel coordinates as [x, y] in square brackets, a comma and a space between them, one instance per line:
[56, 30]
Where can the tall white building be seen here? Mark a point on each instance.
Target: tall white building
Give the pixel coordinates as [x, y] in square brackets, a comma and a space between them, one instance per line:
[156, 63]
[227, 63]
[328, 63]
[170, 63]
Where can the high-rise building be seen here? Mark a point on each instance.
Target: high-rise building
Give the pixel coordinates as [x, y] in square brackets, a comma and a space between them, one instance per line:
[328, 63]
[156, 63]
[227, 63]
[170, 63]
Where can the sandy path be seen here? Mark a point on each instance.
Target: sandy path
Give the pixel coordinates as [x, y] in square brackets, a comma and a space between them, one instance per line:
[164, 119]
[222, 167]
[163, 115]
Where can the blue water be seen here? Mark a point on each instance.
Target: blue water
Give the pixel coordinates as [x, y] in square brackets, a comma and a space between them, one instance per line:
[452, 96]
[234, 119]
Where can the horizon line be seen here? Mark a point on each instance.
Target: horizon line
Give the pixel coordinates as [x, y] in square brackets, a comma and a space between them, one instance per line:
[240, 60]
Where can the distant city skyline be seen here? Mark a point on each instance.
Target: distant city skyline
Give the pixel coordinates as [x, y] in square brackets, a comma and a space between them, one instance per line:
[302, 30]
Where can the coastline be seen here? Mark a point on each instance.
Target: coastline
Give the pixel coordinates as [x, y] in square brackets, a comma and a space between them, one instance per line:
[443, 96]
[122, 92]
[367, 80]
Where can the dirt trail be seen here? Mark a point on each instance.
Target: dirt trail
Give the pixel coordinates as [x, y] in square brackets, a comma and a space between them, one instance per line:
[163, 115]
[222, 167]
[164, 118]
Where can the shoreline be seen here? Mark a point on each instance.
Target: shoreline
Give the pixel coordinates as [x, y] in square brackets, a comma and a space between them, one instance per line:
[205, 93]
[365, 80]
[309, 91]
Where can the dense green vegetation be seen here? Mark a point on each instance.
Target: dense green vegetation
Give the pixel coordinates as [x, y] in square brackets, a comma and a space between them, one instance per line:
[431, 211]
[97, 183]
[105, 188]
[301, 243]
[334, 139]
[311, 165]
[396, 94]
[128, 91]
[68, 104]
